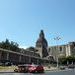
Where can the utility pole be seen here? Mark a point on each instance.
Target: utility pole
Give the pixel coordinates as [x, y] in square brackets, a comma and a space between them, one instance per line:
[57, 39]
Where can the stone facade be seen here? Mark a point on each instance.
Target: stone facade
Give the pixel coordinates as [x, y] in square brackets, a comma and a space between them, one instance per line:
[70, 49]
[62, 50]
[57, 51]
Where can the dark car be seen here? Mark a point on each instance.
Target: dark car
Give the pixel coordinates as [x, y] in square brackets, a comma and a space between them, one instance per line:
[21, 68]
[71, 66]
[62, 67]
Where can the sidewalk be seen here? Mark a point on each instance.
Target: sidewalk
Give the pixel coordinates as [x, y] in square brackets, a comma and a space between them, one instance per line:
[50, 69]
[8, 69]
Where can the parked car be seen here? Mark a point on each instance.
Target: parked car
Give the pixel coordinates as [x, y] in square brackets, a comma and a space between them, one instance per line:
[21, 69]
[62, 67]
[71, 66]
[7, 63]
[29, 68]
[36, 68]
[1, 64]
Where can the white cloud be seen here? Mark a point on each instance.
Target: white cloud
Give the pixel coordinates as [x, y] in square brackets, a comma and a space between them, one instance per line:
[23, 47]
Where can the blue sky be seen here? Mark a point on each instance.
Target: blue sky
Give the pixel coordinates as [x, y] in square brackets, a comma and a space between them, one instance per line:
[22, 20]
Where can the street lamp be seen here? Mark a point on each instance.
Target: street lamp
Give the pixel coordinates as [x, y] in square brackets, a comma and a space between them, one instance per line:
[57, 39]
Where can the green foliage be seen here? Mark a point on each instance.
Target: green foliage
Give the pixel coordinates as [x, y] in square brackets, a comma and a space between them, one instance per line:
[9, 45]
[32, 49]
[62, 60]
[69, 59]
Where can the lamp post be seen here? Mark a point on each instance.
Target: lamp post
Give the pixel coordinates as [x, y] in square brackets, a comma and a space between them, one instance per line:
[57, 39]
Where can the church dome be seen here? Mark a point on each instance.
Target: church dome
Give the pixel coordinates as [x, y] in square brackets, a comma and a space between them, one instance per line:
[41, 40]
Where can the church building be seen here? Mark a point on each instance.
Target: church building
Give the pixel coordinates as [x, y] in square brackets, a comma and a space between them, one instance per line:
[42, 45]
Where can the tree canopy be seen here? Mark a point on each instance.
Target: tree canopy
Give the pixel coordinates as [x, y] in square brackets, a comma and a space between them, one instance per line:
[67, 60]
[10, 45]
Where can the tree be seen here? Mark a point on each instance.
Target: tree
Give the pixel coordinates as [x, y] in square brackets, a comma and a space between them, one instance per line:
[67, 60]
[70, 59]
[32, 49]
[62, 60]
[9, 45]
[5, 44]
